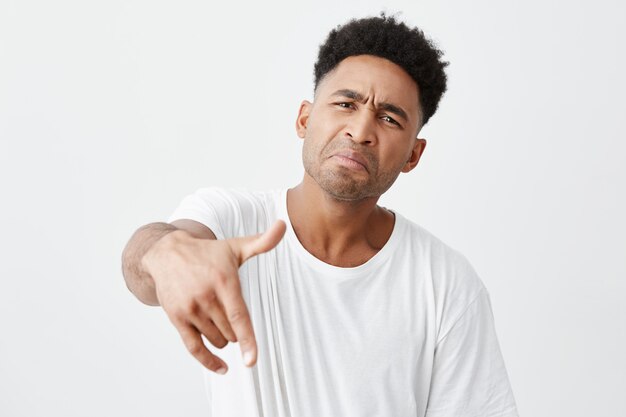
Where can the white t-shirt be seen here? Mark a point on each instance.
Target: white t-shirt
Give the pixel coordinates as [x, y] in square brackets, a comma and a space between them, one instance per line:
[408, 333]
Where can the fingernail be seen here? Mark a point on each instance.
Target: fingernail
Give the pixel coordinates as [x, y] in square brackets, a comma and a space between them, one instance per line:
[221, 371]
[247, 358]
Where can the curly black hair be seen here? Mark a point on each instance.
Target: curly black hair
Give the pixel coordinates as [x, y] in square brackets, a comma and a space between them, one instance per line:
[387, 38]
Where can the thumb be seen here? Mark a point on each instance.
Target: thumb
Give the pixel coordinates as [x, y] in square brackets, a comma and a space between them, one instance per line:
[249, 246]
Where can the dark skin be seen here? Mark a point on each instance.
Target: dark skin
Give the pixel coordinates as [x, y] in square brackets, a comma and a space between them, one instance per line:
[367, 106]
[359, 135]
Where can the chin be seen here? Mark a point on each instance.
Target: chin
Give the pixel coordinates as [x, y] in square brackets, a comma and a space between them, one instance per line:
[346, 190]
[342, 186]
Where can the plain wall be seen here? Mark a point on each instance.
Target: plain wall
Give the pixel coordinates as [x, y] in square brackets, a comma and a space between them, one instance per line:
[111, 112]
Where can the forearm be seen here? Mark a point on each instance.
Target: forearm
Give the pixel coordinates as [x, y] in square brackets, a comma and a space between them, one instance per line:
[138, 280]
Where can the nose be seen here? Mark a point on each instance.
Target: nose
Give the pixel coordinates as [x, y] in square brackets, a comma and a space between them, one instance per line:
[361, 127]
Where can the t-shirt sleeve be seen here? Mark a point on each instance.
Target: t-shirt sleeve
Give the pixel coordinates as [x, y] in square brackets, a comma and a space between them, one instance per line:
[469, 378]
[228, 213]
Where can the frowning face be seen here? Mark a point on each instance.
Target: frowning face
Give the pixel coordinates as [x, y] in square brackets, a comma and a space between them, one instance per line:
[361, 130]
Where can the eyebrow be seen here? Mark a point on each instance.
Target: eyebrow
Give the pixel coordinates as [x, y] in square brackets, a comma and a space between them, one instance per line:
[354, 95]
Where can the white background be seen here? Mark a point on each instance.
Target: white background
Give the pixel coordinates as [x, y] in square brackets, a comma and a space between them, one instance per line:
[111, 112]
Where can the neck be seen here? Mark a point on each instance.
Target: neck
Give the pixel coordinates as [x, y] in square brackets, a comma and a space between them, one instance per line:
[339, 232]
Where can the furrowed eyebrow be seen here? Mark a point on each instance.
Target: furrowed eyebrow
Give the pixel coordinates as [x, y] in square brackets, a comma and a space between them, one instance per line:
[392, 108]
[395, 110]
[349, 94]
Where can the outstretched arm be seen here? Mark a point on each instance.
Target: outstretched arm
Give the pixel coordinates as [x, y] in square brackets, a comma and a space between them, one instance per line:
[194, 277]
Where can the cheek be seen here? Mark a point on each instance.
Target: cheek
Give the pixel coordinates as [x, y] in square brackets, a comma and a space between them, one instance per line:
[310, 151]
[396, 156]
[317, 137]
[325, 124]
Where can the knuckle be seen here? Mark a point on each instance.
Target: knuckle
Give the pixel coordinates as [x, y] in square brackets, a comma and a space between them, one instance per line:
[178, 315]
[246, 341]
[220, 278]
[196, 348]
[191, 307]
[237, 315]
[210, 297]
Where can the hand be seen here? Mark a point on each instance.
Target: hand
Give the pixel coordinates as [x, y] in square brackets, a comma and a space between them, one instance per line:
[197, 284]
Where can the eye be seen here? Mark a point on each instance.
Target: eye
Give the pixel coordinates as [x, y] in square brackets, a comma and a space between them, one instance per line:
[345, 105]
[390, 120]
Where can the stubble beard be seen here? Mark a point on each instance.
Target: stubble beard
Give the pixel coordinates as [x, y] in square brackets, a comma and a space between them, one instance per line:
[342, 184]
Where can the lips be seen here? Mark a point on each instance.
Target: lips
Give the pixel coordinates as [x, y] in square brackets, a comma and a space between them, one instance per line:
[354, 156]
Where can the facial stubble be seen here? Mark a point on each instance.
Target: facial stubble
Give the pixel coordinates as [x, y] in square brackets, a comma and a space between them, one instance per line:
[343, 183]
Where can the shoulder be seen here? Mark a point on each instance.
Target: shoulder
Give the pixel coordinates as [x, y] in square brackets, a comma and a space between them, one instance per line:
[229, 212]
[236, 196]
[235, 200]
[453, 281]
[439, 255]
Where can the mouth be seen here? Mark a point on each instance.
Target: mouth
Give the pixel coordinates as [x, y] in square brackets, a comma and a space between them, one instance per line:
[351, 159]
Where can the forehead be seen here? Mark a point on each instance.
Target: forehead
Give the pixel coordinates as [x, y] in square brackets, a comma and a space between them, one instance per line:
[375, 78]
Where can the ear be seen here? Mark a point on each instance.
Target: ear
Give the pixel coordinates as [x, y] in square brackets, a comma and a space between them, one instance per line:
[416, 153]
[303, 118]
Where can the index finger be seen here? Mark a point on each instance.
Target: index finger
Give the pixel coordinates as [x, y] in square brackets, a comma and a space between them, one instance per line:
[239, 319]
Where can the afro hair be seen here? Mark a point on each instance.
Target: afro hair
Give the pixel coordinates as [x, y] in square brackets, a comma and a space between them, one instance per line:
[387, 38]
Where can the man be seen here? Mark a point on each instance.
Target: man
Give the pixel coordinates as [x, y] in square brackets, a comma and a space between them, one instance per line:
[340, 307]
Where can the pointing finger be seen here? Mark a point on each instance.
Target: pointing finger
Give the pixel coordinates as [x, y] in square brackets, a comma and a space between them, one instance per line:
[239, 319]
